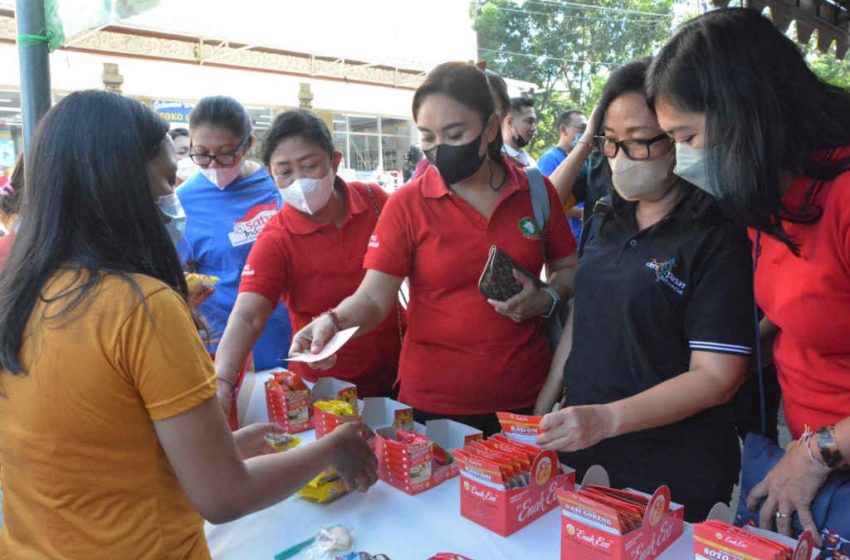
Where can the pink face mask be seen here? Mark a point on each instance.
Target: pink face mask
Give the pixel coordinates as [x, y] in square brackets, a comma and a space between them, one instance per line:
[222, 176]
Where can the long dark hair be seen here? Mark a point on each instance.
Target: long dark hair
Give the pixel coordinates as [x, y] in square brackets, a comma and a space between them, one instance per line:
[766, 113]
[88, 206]
[693, 204]
[466, 84]
[297, 123]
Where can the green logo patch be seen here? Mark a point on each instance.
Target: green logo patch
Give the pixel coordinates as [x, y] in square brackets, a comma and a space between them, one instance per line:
[528, 228]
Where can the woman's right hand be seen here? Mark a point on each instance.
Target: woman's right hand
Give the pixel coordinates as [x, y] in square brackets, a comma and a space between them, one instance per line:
[352, 458]
[313, 338]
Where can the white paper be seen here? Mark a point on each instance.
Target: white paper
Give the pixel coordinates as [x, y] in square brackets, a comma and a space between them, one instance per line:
[331, 348]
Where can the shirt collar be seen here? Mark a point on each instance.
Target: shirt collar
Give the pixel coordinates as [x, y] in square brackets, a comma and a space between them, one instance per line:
[433, 185]
[299, 224]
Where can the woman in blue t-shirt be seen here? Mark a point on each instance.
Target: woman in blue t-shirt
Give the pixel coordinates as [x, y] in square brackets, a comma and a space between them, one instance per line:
[227, 203]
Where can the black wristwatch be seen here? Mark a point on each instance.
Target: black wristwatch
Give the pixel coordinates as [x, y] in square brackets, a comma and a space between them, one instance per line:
[556, 299]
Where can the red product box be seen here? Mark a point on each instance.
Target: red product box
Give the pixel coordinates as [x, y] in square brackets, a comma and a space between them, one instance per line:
[718, 540]
[492, 495]
[288, 402]
[593, 530]
[420, 460]
[332, 389]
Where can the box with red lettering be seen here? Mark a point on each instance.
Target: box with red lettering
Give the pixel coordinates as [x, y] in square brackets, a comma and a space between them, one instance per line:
[334, 403]
[506, 484]
[288, 402]
[417, 460]
[599, 522]
[717, 540]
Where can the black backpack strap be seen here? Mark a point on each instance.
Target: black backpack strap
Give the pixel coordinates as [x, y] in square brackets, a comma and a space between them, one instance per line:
[591, 227]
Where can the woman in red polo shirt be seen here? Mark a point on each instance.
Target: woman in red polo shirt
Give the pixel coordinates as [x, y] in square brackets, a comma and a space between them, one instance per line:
[311, 255]
[463, 356]
[754, 126]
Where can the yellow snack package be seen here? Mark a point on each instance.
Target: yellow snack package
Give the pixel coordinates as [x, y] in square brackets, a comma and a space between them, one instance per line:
[324, 488]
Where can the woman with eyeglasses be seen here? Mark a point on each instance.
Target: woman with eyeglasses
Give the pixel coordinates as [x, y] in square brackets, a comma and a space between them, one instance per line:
[227, 204]
[660, 332]
[773, 146]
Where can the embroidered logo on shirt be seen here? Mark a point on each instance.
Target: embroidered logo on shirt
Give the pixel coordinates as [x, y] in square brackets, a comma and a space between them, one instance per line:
[373, 241]
[664, 274]
[248, 271]
[528, 228]
[249, 227]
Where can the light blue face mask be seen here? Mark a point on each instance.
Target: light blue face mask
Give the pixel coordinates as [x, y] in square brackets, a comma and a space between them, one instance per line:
[170, 207]
[690, 166]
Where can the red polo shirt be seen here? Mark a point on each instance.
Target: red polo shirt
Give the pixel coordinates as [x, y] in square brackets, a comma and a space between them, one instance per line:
[313, 267]
[808, 298]
[459, 355]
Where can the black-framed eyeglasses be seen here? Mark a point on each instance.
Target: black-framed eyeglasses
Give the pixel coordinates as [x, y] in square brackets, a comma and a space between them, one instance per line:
[225, 160]
[634, 148]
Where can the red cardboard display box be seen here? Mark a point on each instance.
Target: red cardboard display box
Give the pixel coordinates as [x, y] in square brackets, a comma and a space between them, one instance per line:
[492, 495]
[590, 530]
[288, 402]
[716, 540]
[425, 460]
[328, 389]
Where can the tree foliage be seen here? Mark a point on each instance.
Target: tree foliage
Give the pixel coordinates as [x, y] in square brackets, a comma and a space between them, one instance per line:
[566, 50]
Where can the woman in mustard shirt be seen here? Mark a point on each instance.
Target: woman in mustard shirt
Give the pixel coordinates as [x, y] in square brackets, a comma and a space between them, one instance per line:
[112, 443]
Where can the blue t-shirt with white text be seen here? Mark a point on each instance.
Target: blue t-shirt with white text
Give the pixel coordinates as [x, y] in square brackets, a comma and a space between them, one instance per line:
[221, 227]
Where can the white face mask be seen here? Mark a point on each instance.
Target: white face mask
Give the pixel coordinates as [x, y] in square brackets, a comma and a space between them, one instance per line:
[185, 169]
[690, 166]
[222, 176]
[171, 208]
[309, 195]
[642, 180]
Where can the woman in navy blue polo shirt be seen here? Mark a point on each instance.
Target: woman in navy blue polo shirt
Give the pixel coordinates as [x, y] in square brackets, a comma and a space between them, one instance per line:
[660, 334]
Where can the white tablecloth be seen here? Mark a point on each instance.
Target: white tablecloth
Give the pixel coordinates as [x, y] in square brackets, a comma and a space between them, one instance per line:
[386, 520]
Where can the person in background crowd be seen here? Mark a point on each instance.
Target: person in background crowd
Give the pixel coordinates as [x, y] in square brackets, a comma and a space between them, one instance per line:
[181, 139]
[412, 159]
[112, 443]
[227, 204]
[774, 148]
[310, 254]
[11, 194]
[658, 338]
[519, 126]
[463, 356]
[571, 125]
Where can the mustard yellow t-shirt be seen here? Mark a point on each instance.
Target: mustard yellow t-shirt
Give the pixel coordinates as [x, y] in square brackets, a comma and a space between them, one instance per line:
[83, 473]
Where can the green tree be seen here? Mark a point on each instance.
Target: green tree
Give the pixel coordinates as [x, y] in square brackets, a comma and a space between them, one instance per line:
[565, 48]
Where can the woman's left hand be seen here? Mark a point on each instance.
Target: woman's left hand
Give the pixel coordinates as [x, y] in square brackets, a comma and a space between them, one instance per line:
[251, 440]
[789, 487]
[529, 303]
[576, 427]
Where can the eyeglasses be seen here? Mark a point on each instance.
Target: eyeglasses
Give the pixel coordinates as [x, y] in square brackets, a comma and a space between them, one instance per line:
[225, 160]
[635, 149]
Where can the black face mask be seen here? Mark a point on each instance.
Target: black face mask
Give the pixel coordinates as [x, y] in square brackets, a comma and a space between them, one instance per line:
[456, 163]
[520, 141]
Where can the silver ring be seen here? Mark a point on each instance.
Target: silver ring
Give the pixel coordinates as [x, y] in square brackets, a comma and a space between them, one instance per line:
[780, 515]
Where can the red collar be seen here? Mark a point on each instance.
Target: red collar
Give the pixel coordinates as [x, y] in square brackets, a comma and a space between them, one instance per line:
[355, 203]
[433, 185]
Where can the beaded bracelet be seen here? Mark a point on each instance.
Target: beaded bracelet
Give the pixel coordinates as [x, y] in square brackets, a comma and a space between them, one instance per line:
[334, 318]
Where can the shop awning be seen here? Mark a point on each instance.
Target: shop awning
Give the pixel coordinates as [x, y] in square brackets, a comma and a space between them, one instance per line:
[831, 19]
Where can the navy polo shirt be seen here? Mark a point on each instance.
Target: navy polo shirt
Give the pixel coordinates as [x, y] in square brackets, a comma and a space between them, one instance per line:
[644, 301]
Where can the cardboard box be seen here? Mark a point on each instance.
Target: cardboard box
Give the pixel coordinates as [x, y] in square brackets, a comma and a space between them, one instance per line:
[718, 539]
[288, 402]
[424, 464]
[488, 496]
[381, 412]
[589, 529]
[332, 389]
